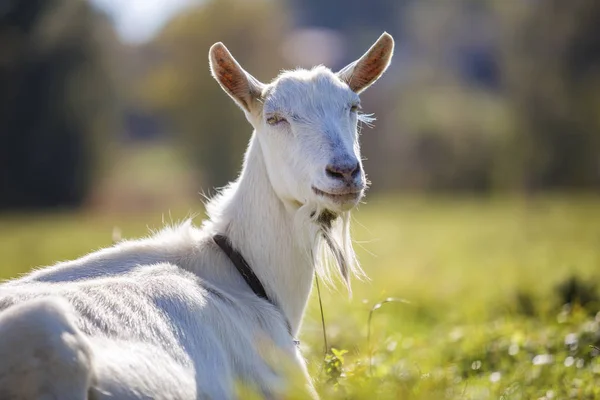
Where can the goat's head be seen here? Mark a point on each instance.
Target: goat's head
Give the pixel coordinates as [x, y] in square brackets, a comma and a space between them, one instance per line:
[306, 123]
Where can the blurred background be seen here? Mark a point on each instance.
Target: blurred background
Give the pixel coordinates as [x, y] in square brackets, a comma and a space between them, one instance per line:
[109, 105]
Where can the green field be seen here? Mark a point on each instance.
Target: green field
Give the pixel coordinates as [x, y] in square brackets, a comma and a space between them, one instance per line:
[487, 282]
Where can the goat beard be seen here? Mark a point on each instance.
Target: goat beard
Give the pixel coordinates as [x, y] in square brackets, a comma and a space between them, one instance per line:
[330, 245]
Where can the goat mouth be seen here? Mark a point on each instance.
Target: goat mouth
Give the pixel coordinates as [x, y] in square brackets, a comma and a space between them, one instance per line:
[342, 197]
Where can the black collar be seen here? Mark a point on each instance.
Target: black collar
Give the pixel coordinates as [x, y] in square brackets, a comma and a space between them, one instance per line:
[247, 273]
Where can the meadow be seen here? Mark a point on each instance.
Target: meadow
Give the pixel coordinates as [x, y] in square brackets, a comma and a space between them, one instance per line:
[488, 298]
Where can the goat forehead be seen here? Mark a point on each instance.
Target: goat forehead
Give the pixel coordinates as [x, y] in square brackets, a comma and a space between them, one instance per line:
[309, 92]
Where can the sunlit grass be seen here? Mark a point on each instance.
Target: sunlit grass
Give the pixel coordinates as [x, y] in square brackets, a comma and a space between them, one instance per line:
[484, 317]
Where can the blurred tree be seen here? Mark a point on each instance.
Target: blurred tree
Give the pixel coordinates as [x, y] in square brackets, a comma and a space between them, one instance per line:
[551, 53]
[212, 130]
[447, 119]
[54, 101]
[496, 95]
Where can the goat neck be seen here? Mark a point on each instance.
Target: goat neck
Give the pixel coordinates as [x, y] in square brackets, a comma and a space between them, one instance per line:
[264, 229]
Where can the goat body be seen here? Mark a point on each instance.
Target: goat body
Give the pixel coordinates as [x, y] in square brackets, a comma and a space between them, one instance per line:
[169, 317]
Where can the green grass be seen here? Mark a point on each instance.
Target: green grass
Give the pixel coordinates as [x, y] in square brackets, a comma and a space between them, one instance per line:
[485, 319]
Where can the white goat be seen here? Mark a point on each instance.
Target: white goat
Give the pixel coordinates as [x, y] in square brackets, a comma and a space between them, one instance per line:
[171, 316]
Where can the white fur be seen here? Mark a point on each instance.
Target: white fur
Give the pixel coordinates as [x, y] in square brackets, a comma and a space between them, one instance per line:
[168, 317]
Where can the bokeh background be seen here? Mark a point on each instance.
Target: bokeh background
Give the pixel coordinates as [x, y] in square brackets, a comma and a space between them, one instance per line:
[484, 210]
[107, 103]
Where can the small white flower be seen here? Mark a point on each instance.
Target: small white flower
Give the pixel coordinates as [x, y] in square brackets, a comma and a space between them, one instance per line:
[392, 346]
[495, 376]
[543, 359]
[569, 361]
[456, 334]
[571, 340]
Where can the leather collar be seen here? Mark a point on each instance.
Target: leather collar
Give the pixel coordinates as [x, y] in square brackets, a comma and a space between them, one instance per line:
[248, 274]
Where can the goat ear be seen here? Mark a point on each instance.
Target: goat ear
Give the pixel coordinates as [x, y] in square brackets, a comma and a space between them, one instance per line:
[235, 81]
[363, 72]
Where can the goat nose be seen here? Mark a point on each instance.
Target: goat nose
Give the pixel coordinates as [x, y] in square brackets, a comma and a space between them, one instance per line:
[343, 171]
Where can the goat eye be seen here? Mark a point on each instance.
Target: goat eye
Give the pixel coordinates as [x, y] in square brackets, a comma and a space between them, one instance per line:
[275, 119]
[354, 108]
